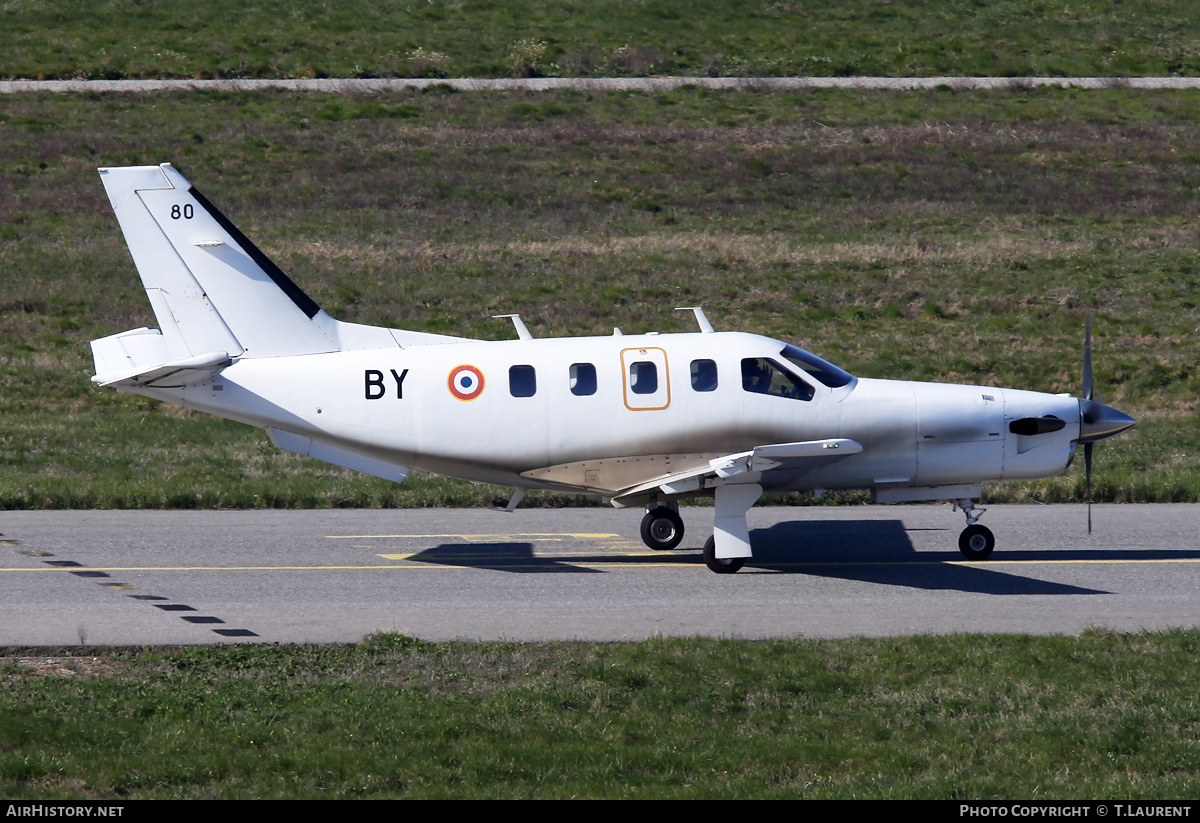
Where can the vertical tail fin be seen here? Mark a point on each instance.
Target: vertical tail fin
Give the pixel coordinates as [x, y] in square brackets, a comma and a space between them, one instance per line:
[212, 290]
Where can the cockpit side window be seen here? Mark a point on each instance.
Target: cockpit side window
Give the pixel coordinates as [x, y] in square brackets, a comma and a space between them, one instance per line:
[763, 376]
[821, 370]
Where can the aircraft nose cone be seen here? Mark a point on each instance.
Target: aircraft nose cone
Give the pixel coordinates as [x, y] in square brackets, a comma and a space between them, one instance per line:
[1098, 421]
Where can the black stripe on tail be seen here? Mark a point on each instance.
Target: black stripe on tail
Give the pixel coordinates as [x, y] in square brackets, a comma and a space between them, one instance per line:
[297, 295]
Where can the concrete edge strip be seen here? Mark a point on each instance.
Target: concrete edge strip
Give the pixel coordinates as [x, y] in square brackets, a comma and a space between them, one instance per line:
[339, 86]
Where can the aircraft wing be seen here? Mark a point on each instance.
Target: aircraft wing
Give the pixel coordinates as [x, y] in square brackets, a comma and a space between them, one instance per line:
[745, 467]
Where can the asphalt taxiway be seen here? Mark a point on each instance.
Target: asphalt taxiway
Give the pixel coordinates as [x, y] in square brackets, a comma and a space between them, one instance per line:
[153, 577]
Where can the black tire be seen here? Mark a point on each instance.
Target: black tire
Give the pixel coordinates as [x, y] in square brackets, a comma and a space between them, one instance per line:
[976, 542]
[662, 529]
[729, 565]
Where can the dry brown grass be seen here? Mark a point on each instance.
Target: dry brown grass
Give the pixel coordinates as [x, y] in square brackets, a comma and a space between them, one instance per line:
[757, 250]
[745, 249]
[60, 666]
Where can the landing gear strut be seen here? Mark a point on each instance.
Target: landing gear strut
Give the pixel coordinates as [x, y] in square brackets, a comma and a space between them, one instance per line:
[662, 528]
[729, 547]
[976, 542]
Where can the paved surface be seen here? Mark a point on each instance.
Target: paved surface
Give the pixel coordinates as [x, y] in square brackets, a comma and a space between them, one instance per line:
[598, 83]
[101, 577]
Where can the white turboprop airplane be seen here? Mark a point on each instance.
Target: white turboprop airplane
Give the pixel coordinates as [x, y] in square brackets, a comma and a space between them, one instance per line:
[641, 419]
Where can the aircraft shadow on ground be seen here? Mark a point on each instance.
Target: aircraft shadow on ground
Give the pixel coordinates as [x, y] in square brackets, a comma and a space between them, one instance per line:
[874, 551]
[880, 551]
[498, 556]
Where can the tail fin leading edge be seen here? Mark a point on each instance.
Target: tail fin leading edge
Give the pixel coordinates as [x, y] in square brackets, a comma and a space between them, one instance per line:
[212, 290]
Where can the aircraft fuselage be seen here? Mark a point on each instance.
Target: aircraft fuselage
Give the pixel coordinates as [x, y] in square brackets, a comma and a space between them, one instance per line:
[569, 413]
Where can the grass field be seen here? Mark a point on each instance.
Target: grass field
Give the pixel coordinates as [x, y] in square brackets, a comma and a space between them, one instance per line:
[967, 717]
[505, 38]
[937, 235]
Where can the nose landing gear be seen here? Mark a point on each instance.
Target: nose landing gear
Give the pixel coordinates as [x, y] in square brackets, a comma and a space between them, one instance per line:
[975, 542]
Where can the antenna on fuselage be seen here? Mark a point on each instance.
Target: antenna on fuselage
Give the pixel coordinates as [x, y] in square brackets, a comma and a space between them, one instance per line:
[522, 332]
[701, 320]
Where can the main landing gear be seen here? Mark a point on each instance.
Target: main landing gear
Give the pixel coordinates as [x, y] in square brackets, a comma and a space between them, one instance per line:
[976, 542]
[662, 528]
[729, 547]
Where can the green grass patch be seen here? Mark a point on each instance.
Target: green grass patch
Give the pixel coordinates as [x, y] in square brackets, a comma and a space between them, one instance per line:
[965, 717]
[533, 38]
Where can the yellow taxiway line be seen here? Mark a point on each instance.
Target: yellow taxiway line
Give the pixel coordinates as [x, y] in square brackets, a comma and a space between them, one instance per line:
[676, 562]
[545, 536]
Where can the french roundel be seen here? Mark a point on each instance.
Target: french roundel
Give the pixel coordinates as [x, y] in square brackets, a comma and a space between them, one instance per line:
[466, 382]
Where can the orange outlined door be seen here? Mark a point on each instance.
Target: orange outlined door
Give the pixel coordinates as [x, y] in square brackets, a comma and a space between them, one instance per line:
[645, 379]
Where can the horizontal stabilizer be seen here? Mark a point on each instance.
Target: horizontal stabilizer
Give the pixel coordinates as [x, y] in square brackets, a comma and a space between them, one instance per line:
[174, 375]
[140, 357]
[307, 447]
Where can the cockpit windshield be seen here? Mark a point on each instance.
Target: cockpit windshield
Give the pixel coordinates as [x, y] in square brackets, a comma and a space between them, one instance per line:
[822, 370]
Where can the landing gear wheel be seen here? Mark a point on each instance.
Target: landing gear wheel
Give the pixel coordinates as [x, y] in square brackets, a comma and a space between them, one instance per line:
[976, 542]
[727, 565]
[662, 529]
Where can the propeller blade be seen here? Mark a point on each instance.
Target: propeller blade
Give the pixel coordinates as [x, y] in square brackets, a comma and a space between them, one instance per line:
[1087, 468]
[1087, 360]
[1096, 420]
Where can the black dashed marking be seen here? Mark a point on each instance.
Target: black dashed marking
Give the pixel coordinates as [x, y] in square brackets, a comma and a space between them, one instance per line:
[199, 619]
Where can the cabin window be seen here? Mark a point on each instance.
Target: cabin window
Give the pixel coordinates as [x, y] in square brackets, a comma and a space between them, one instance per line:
[643, 377]
[583, 379]
[522, 381]
[704, 375]
[763, 376]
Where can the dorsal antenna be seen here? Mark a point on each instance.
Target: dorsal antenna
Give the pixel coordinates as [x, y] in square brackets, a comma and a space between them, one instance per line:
[701, 320]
